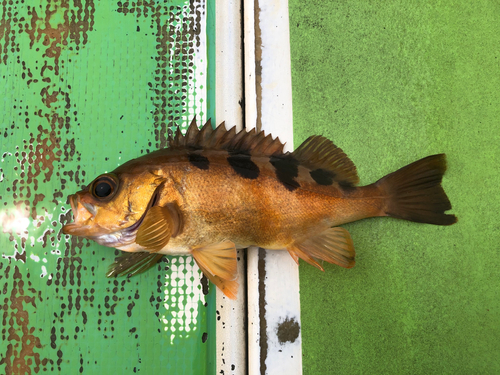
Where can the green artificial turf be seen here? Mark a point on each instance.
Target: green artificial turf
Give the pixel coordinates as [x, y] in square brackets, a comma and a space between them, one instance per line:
[389, 83]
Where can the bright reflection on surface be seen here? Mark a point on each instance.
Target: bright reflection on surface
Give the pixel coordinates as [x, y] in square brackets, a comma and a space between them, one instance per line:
[32, 236]
[16, 222]
[182, 297]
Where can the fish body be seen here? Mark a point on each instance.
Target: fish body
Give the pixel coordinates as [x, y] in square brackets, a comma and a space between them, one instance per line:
[213, 191]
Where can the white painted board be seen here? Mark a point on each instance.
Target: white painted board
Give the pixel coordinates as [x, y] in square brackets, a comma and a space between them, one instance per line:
[274, 336]
[231, 325]
[271, 281]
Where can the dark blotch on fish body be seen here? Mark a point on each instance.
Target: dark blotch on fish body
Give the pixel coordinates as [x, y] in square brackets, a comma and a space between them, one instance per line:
[244, 166]
[347, 187]
[287, 169]
[322, 176]
[199, 161]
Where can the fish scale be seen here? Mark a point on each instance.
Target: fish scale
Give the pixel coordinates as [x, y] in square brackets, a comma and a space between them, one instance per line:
[214, 190]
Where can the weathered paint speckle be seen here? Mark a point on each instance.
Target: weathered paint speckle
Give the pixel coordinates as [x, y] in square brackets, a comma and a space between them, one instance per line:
[45, 313]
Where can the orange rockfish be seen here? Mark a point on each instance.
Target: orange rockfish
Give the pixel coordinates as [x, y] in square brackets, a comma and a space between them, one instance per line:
[213, 191]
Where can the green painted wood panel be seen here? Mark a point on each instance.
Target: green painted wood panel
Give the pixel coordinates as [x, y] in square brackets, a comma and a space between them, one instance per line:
[389, 83]
[87, 85]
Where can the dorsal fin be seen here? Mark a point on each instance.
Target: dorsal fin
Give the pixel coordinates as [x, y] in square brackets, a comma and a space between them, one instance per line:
[224, 138]
[262, 141]
[238, 139]
[319, 153]
[192, 134]
[174, 139]
[270, 146]
[205, 133]
[253, 142]
[216, 135]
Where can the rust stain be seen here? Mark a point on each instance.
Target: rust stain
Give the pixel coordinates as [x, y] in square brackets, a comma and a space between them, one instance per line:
[51, 28]
[76, 22]
[47, 98]
[5, 33]
[20, 353]
[39, 156]
[43, 158]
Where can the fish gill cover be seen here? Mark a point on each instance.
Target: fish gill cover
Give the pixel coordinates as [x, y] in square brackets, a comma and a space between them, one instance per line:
[86, 86]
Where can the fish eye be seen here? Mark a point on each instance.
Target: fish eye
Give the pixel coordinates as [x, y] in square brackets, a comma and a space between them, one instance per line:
[103, 187]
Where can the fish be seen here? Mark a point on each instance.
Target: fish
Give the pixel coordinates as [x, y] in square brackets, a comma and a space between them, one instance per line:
[212, 191]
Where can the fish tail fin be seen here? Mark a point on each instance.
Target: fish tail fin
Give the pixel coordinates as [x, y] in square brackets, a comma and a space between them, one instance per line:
[415, 193]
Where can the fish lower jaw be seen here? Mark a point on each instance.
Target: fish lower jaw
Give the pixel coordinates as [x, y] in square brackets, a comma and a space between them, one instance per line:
[112, 240]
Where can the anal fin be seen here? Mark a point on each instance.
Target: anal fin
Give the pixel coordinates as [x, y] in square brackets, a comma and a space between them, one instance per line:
[297, 253]
[218, 262]
[132, 264]
[294, 256]
[334, 245]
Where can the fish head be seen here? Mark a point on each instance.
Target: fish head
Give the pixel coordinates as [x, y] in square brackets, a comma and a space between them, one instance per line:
[110, 209]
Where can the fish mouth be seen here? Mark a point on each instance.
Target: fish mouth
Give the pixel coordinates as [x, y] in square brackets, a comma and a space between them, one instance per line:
[74, 205]
[82, 212]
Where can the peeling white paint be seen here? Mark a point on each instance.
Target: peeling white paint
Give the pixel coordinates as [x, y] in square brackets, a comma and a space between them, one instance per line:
[273, 100]
[231, 327]
[275, 107]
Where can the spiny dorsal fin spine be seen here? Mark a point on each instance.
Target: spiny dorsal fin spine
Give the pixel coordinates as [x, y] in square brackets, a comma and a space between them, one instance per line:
[192, 134]
[225, 139]
[238, 139]
[246, 141]
[253, 142]
[259, 138]
[261, 147]
[205, 134]
[173, 140]
[275, 148]
[216, 135]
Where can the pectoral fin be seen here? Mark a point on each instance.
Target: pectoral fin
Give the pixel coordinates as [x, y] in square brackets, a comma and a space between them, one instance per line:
[156, 229]
[333, 245]
[218, 262]
[132, 264]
